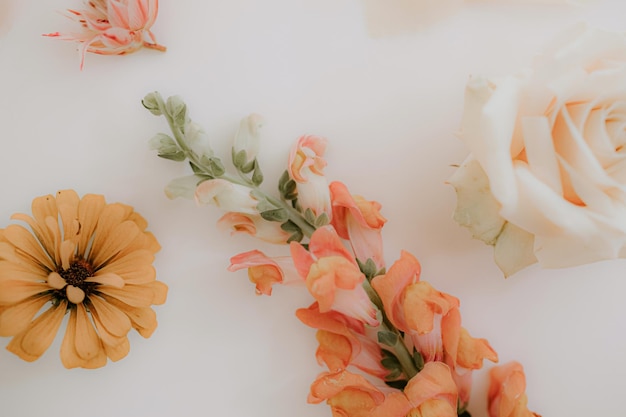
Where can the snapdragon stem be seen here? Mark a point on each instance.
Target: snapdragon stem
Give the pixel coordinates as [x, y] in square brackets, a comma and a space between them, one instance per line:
[402, 353]
[293, 214]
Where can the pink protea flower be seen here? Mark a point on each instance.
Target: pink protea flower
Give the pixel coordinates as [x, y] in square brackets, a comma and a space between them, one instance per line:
[113, 27]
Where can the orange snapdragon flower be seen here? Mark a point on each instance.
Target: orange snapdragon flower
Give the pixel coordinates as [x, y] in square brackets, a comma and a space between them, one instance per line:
[347, 394]
[431, 322]
[333, 276]
[306, 167]
[358, 221]
[343, 341]
[430, 393]
[507, 392]
[264, 271]
[113, 27]
[253, 225]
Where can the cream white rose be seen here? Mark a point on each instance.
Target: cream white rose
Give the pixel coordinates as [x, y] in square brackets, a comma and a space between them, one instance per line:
[546, 178]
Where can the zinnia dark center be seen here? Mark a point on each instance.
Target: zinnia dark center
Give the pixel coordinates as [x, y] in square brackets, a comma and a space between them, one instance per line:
[77, 273]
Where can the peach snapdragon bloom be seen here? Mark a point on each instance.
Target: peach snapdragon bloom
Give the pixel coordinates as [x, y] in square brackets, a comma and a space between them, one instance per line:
[113, 27]
[333, 276]
[431, 322]
[430, 393]
[358, 221]
[264, 271]
[507, 392]
[343, 341]
[253, 225]
[347, 394]
[306, 167]
[83, 257]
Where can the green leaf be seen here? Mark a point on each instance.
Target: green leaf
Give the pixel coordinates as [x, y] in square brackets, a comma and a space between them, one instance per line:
[322, 220]
[177, 110]
[275, 215]
[368, 268]
[151, 102]
[174, 156]
[296, 237]
[387, 338]
[394, 374]
[287, 187]
[309, 216]
[257, 175]
[418, 360]
[248, 167]
[216, 167]
[163, 143]
[397, 384]
[290, 226]
[390, 363]
[196, 169]
[239, 158]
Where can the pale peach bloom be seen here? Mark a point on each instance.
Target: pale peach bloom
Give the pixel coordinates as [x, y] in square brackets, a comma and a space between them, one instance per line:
[113, 27]
[306, 168]
[347, 394]
[343, 341]
[227, 196]
[507, 392]
[83, 257]
[333, 276]
[430, 393]
[253, 225]
[264, 271]
[359, 221]
[545, 181]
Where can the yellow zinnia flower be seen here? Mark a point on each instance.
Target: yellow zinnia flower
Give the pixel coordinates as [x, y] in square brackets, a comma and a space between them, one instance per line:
[85, 257]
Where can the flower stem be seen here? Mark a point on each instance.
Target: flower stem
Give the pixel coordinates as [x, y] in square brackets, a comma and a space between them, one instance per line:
[294, 215]
[402, 353]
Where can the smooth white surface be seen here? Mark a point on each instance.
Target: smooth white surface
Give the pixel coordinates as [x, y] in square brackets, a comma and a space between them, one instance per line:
[389, 107]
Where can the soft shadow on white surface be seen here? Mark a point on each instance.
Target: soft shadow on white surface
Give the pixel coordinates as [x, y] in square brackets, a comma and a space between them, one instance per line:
[388, 106]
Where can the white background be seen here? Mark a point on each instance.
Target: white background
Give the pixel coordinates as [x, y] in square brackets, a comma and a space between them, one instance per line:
[389, 107]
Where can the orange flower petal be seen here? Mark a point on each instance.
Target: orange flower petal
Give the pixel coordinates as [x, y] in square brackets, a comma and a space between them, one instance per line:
[74, 294]
[112, 280]
[135, 268]
[24, 242]
[16, 318]
[112, 318]
[112, 241]
[89, 210]
[86, 341]
[33, 342]
[56, 281]
[13, 291]
[159, 290]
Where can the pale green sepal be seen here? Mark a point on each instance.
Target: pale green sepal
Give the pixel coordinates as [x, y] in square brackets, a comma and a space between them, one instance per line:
[184, 187]
[151, 102]
[177, 110]
[476, 208]
[514, 249]
[387, 338]
[163, 143]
